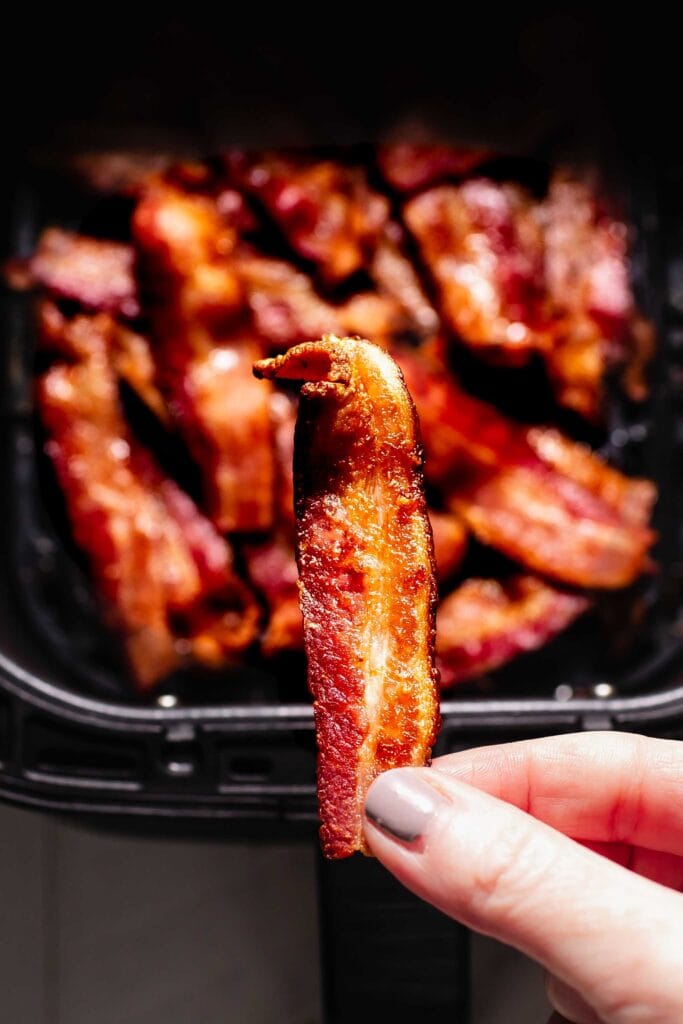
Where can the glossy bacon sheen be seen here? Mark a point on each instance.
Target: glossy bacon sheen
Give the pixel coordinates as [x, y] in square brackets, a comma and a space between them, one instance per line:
[326, 210]
[545, 501]
[156, 560]
[484, 623]
[204, 358]
[365, 555]
[95, 272]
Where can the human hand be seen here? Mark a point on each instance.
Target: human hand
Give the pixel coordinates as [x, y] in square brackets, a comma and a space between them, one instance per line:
[508, 840]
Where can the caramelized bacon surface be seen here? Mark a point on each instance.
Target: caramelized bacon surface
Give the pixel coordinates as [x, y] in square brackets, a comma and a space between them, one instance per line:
[99, 274]
[204, 365]
[365, 555]
[164, 572]
[485, 623]
[543, 500]
[327, 212]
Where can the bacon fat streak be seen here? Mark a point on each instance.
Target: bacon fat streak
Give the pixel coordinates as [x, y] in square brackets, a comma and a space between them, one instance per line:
[366, 565]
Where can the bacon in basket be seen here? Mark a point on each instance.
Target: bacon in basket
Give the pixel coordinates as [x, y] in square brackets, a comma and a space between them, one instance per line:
[163, 571]
[518, 275]
[485, 623]
[538, 497]
[326, 210]
[204, 359]
[366, 567]
[97, 273]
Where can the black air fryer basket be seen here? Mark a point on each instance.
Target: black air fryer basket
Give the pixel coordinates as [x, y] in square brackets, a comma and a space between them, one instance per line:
[239, 758]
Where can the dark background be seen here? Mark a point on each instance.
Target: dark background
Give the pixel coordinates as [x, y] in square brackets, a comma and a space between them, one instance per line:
[554, 82]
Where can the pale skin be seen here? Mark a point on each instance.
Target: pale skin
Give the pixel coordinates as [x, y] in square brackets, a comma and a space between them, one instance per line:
[568, 848]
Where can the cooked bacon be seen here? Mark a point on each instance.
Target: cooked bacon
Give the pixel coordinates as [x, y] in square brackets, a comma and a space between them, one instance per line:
[408, 167]
[366, 565]
[272, 570]
[546, 502]
[586, 275]
[96, 273]
[162, 569]
[287, 310]
[204, 361]
[450, 542]
[484, 623]
[396, 277]
[484, 250]
[270, 563]
[327, 211]
[517, 276]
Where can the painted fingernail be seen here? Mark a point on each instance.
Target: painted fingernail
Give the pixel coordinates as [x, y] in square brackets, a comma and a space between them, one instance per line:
[401, 803]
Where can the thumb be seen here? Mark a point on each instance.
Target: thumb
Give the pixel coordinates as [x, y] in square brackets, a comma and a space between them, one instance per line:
[613, 936]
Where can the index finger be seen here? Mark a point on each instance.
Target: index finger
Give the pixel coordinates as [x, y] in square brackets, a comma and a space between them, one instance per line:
[599, 786]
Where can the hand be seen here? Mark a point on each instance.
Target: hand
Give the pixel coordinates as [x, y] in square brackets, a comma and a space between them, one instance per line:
[567, 848]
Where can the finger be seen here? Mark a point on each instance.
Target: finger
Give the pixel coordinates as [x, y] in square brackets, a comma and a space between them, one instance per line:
[665, 868]
[569, 1004]
[610, 787]
[600, 929]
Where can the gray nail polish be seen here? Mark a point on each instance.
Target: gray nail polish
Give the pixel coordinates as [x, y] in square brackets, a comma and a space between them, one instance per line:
[401, 803]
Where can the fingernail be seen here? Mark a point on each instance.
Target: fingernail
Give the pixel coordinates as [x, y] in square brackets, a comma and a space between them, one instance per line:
[401, 803]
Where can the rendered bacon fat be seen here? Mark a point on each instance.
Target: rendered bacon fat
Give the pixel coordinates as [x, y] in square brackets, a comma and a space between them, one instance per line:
[366, 567]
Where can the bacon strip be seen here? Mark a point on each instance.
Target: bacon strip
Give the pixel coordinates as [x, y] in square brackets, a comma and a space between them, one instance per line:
[484, 250]
[161, 567]
[365, 557]
[327, 212]
[545, 501]
[287, 309]
[484, 624]
[99, 274]
[204, 360]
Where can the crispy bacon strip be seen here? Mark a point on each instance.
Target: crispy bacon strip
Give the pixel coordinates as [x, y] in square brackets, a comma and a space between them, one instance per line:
[484, 250]
[128, 352]
[203, 360]
[408, 167]
[99, 274]
[545, 501]
[326, 210]
[287, 309]
[365, 557]
[484, 623]
[162, 568]
[517, 276]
